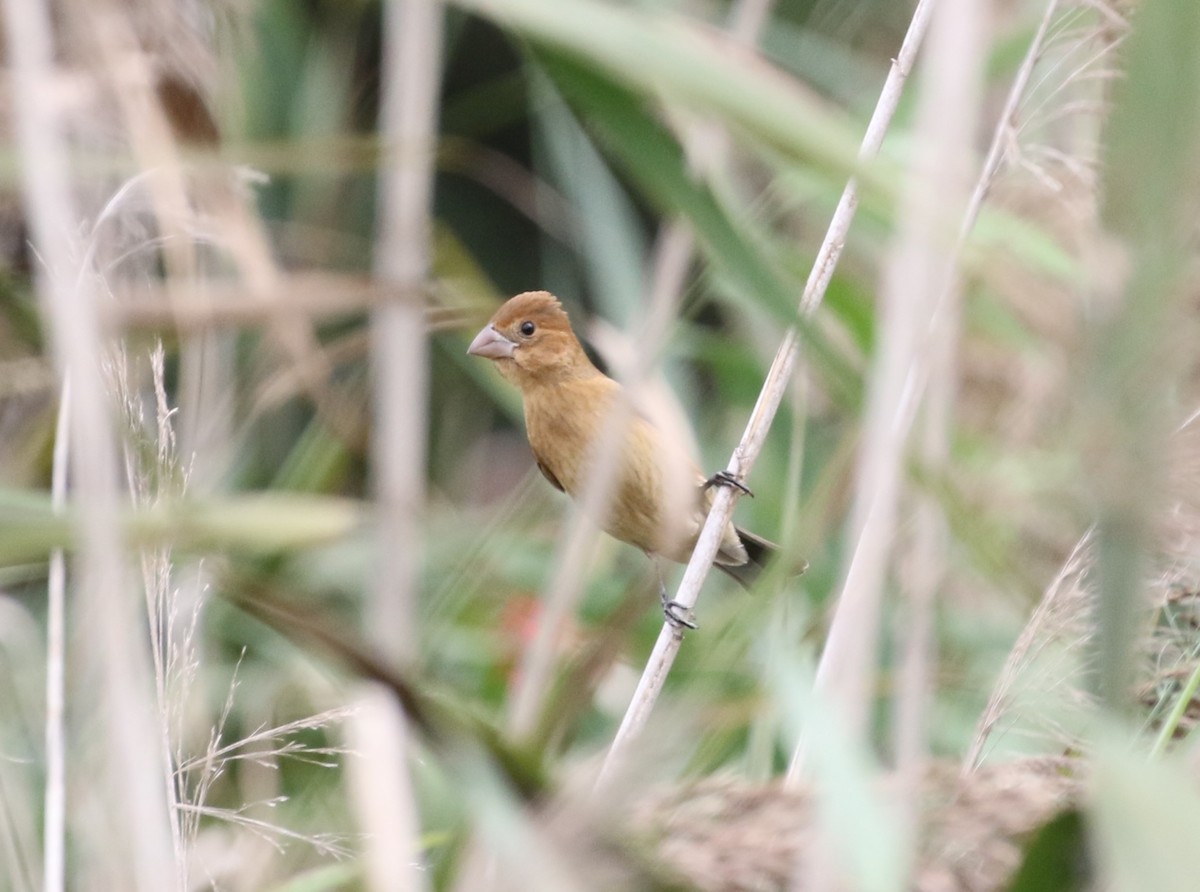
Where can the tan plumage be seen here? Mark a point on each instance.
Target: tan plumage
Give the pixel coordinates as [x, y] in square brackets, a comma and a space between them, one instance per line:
[660, 499]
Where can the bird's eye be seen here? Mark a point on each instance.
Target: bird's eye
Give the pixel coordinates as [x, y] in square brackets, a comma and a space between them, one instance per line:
[528, 328]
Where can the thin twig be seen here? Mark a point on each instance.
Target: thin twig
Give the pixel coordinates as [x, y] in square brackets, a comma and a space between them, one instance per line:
[667, 646]
[995, 155]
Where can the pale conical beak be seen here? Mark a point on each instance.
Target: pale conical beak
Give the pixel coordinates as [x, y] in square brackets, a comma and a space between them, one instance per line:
[491, 344]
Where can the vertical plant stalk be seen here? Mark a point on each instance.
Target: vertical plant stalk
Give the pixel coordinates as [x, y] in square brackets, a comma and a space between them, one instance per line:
[130, 78]
[1001, 139]
[1141, 293]
[920, 374]
[400, 355]
[946, 132]
[399, 352]
[703, 145]
[381, 788]
[55, 819]
[774, 387]
[136, 852]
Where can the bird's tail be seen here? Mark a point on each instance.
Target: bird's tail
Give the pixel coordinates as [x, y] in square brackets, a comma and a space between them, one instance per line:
[760, 553]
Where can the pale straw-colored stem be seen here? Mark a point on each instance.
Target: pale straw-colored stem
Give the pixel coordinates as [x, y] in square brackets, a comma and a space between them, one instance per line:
[135, 852]
[1002, 136]
[412, 68]
[945, 132]
[844, 669]
[667, 646]
[55, 819]
[400, 359]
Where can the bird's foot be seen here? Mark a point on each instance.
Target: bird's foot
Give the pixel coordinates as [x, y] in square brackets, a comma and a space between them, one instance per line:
[724, 478]
[678, 616]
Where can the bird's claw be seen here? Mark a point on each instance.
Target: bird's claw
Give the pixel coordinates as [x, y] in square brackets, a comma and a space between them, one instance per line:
[678, 616]
[724, 478]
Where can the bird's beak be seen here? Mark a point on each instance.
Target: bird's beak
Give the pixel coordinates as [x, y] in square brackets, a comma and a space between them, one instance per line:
[491, 344]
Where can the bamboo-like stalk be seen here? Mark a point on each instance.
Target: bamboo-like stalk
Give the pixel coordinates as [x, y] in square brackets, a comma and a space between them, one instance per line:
[776, 383]
[400, 357]
[945, 132]
[987, 175]
[137, 852]
[412, 65]
[54, 822]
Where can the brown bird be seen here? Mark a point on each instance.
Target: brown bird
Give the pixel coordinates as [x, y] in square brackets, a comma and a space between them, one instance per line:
[659, 497]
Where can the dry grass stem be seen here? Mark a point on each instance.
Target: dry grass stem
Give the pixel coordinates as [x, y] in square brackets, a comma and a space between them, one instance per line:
[142, 857]
[845, 673]
[946, 124]
[917, 383]
[947, 127]
[1002, 136]
[311, 296]
[411, 75]
[381, 790]
[913, 332]
[55, 820]
[407, 123]
[769, 399]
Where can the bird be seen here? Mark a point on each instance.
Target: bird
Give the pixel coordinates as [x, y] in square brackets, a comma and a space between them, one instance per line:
[660, 498]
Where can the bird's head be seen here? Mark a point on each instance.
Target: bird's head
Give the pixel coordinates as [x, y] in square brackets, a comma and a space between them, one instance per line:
[531, 341]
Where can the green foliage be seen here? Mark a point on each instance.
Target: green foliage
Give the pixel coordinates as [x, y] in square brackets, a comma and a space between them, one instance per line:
[562, 155]
[1056, 858]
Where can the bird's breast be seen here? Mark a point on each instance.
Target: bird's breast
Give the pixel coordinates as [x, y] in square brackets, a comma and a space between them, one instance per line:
[653, 500]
